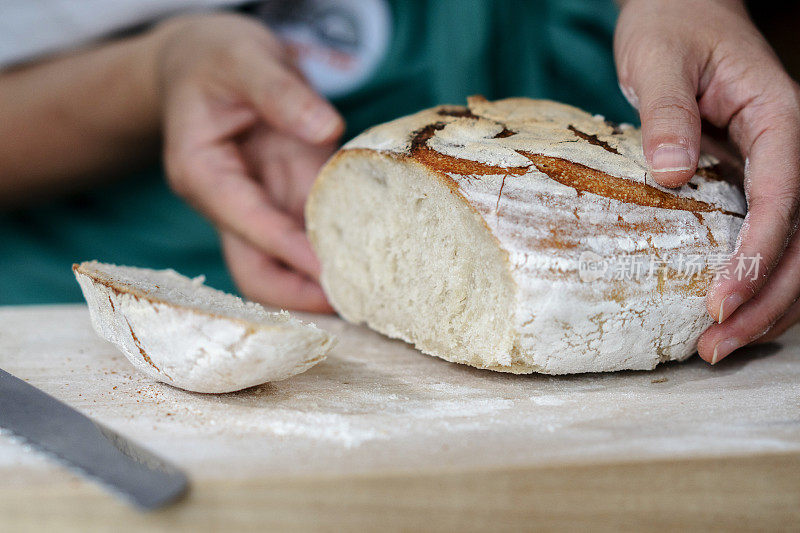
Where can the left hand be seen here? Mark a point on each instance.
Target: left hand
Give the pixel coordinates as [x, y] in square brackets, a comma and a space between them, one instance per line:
[244, 136]
[286, 167]
[680, 61]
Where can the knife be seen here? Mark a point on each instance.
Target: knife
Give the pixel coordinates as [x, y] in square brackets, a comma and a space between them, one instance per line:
[93, 450]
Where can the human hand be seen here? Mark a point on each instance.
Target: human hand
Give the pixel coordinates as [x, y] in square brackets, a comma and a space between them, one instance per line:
[244, 136]
[681, 61]
[286, 167]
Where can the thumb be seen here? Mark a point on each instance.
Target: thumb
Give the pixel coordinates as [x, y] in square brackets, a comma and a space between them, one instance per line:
[665, 93]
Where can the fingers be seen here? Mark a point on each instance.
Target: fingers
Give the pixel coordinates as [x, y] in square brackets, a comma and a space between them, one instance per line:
[260, 278]
[752, 320]
[221, 76]
[767, 132]
[283, 99]
[214, 180]
[205, 165]
[286, 166]
[661, 80]
[788, 320]
[235, 60]
[743, 88]
[670, 129]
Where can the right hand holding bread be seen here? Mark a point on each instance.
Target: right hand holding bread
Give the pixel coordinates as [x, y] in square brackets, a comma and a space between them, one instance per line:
[681, 61]
[230, 96]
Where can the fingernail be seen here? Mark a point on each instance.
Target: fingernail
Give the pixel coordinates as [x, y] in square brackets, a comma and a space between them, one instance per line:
[320, 123]
[671, 158]
[630, 96]
[729, 304]
[722, 349]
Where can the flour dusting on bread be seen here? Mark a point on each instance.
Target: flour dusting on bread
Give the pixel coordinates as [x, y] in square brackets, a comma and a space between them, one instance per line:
[462, 229]
[181, 332]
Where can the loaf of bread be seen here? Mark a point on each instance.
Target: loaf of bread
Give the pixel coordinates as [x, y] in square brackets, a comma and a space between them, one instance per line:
[181, 332]
[520, 236]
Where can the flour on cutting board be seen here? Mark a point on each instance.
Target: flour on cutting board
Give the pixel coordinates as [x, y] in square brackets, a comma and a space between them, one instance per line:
[378, 404]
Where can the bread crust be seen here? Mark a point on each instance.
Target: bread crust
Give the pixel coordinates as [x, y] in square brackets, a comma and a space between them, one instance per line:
[193, 347]
[551, 183]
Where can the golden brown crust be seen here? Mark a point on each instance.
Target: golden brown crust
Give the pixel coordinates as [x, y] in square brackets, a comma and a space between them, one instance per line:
[582, 178]
[440, 162]
[585, 179]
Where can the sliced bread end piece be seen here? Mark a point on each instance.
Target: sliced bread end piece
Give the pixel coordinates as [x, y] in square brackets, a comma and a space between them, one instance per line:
[181, 332]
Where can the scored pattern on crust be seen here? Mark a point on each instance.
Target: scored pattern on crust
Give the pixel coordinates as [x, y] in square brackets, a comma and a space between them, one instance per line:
[548, 177]
[447, 163]
[582, 178]
[586, 179]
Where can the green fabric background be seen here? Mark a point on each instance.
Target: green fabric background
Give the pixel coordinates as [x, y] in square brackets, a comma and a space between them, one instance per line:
[440, 52]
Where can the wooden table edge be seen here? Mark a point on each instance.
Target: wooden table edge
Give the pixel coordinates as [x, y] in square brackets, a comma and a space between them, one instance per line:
[727, 493]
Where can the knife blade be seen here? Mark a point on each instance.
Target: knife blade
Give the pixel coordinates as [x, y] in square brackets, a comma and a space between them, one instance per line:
[92, 449]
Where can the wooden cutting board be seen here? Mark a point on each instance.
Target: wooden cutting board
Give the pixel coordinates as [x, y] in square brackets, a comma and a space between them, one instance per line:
[382, 435]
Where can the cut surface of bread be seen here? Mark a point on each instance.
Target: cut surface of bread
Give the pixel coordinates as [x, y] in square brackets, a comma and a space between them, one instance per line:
[463, 230]
[186, 334]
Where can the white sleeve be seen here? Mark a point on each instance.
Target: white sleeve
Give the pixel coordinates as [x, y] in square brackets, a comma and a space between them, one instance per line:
[32, 28]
